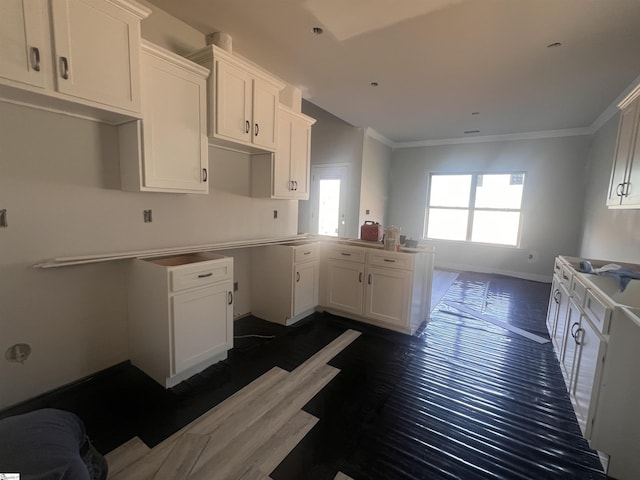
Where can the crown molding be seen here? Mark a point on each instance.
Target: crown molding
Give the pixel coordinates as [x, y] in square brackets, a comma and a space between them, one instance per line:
[371, 133]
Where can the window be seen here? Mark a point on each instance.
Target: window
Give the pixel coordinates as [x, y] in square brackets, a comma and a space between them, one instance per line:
[478, 207]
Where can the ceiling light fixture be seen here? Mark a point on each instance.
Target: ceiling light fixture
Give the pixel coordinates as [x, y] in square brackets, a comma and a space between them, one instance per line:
[317, 30]
[554, 45]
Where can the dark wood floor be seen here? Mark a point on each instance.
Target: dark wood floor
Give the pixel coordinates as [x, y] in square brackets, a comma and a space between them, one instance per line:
[462, 399]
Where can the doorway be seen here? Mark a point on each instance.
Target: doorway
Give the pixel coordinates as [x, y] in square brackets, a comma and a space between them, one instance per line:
[329, 199]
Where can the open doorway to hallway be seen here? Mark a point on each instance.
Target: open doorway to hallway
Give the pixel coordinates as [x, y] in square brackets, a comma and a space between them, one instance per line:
[329, 199]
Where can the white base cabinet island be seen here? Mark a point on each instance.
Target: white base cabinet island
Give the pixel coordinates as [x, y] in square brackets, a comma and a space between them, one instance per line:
[180, 314]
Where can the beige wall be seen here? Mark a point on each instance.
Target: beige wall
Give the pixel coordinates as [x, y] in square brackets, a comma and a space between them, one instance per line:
[374, 188]
[552, 201]
[59, 181]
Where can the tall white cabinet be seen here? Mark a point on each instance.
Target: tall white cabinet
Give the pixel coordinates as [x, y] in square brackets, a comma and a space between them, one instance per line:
[81, 56]
[180, 314]
[167, 150]
[285, 174]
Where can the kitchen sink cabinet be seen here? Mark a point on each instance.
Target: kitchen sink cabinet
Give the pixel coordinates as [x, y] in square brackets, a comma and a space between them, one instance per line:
[180, 314]
[285, 173]
[389, 289]
[243, 102]
[78, 56]
[167, 151]
[624, 187]
[285, 282]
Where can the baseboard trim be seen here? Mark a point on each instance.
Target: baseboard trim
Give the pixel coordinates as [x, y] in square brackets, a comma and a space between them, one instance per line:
[28, 404]
[509, 273]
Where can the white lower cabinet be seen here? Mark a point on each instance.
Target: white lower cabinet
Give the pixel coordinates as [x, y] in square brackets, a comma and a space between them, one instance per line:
[597, 342]
[285, 281]
[180, 314]
[389, 289]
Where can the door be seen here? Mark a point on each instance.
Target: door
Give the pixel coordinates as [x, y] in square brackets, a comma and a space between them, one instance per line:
[174, 127]
[24, 53]
[88, 67]
[345, 287]
[233, 99]
[202, 325]
[589, 361]
[305, 287]
[628, 119]
[329, 200]
[265, 109]
[387, 295]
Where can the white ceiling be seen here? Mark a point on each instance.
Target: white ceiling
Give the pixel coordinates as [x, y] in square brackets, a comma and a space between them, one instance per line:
[438, 61]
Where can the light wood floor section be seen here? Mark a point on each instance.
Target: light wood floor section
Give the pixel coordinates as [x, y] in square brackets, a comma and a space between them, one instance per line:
[245, 437]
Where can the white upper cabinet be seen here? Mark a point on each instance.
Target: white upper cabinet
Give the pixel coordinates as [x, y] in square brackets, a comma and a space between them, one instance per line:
[624, 188]
[168, 151]
[285, 173]
[77, 56]
[243, 102]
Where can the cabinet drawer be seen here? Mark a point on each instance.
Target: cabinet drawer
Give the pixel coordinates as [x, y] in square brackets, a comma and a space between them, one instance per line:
[578, 290]
[304, 253]
[384, 258]
[346, 252]
[199, 274]
[598, 311]
[565, 275]
[557, 266]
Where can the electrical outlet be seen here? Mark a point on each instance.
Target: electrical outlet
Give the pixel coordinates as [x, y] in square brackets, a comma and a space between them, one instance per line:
[146, 214]
[275, 214]
[367, 212]
[3, 217]
[18, 353]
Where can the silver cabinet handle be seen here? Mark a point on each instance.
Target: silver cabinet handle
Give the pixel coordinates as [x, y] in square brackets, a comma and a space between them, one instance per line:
[389, 260]
[291, 185]
[627, 189]
[369, 279]
[619, 189]
[257, 129]
[205, 175]
[297, 277]
[575, 337]
[64, 68]
[296, 185]
[345, 254]
[556, 295]
[35, 52]
[307, 253]
[575, 324]
[360, 277]
[230, 296]
[205, 275]
[247, 126]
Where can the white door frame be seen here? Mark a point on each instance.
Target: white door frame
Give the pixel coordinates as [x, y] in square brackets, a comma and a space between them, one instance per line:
[328, 171]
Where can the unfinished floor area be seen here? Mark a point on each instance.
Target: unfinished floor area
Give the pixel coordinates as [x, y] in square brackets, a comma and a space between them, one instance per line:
[477, 393]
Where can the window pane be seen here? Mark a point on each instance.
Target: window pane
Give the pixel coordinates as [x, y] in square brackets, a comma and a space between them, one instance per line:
[495, 227]
[447, 224]
[449, 191]
[499, 191]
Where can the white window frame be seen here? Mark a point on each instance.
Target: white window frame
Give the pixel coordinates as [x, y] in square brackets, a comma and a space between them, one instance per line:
[471, 208]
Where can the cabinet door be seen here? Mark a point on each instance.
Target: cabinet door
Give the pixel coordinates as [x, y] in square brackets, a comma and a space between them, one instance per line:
[300, 157]
[628, 119]
[345, 287]
[233, 102]
[570, 343]
[89, 67]
[265, 111]
[587, 373]
[282, 185]
[561, 321]
[632, 188]
[305, 288]
[174, 127]
[554, 306]
[387, 295]
[24, 55]
[202, 325]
